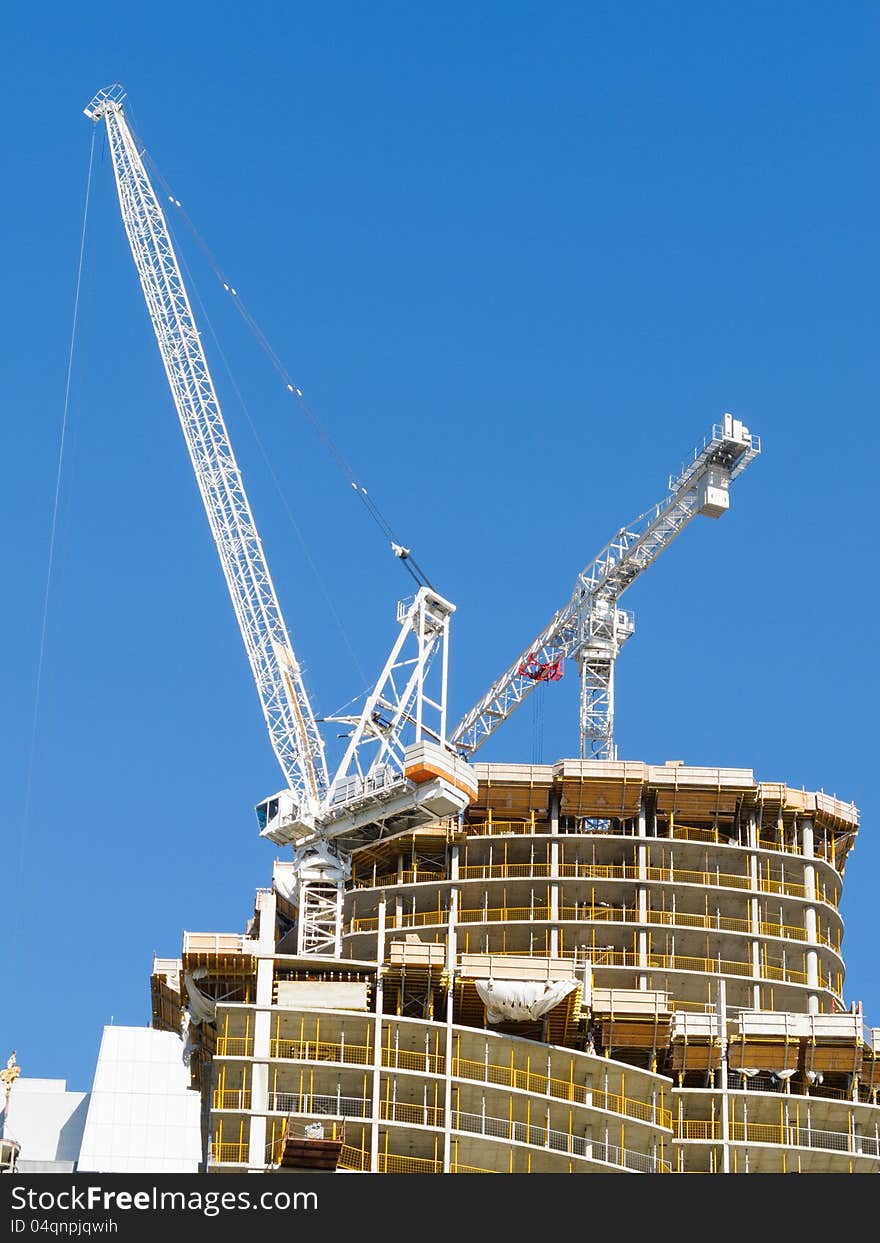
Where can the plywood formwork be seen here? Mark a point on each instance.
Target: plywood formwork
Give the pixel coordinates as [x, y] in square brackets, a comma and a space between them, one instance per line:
[512, 791]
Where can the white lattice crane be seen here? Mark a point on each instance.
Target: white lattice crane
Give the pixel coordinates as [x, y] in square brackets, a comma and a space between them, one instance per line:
[591, 628]
[398, 770]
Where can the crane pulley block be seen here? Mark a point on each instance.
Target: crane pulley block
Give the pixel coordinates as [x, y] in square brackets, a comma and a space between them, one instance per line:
[541, 670]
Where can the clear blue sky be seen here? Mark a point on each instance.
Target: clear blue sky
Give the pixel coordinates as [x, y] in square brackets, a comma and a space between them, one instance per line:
[520, 257]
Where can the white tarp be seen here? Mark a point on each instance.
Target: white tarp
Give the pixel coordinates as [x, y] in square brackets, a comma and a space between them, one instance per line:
[517, 1001]
[202, 1008]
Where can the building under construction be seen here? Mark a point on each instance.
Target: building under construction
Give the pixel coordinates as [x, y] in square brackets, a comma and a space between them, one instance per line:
[605, 966]
[589, 966]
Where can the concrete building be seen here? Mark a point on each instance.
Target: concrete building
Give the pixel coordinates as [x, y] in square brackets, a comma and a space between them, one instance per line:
[600, 966]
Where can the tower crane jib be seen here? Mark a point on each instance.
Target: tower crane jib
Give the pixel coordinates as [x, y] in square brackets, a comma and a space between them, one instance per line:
[289, 717]
[591, 628]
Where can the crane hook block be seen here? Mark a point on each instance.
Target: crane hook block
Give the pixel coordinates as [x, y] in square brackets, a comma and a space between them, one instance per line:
[541, 670]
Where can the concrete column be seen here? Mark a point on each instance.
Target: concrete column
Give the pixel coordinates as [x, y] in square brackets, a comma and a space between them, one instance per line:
[810, 914]
[451, 959]
[752, 831]
[377, 1037]
[265, 952]
[642, 894]
[554, 804]
[725, 1101]
[554, 873]
[754, 907]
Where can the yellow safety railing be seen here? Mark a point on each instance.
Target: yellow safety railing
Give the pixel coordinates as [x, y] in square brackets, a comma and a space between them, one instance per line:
[679, 962]
[560, 1089]
[234, 1046]
[409, 1059]
[321, 1051]
[689, 832]
[355, 1054]
[791, 1136]
[599, 871]
[405, 1111]
[235, 1098]
[390, 1163]
[503, 914]
[353, 1158]
[229, 1154]
[597, 914]
[488, 827]
[509, 871]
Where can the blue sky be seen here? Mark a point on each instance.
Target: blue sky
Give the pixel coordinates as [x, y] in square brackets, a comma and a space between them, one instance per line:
[520, 258]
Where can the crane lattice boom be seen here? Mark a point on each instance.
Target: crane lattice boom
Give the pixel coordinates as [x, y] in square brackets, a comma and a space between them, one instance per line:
[289, 717]
[590, 627]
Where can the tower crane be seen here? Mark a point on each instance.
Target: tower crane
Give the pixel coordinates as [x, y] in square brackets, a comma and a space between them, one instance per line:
[591, 628]
[398, 770]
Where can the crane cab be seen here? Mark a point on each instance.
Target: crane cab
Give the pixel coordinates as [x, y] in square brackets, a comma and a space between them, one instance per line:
[281, 819]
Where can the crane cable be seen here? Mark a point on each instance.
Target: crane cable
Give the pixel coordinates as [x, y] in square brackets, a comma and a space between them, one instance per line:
[402, 553]
[346, 638]
[50, 566]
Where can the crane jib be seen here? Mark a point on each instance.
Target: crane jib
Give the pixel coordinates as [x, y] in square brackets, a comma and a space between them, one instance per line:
[591, 628]
[289, 717]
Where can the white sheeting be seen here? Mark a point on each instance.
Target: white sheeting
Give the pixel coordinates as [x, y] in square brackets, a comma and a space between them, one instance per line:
[202, 1008]
[518, 1001]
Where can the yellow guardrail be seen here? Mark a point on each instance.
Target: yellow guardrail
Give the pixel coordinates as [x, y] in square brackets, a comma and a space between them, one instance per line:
[390, 1163]
[594, 914]
[353, 1158]
[787, 1135]
[235, 1046]
[600, 871]
[229, 1154]
[405, 1111]
[560, 1089]
[409, 1059]
[321, 1051]
[237, 1098]
[355, 1055]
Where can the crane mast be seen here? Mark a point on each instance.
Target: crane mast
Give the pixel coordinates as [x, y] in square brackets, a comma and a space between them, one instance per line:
[293, 732]
[590, 627]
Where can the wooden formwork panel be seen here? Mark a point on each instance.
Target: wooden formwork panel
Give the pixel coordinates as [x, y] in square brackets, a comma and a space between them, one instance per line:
[695, 1056]
[601, 798]
[845, 1059]
[764, 1054]
[228, 966]
[701, 804]
[563, 1020]
[513, 803]
[165, 1004]
[634, 1033]
[512, 792]
[870, 1072]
